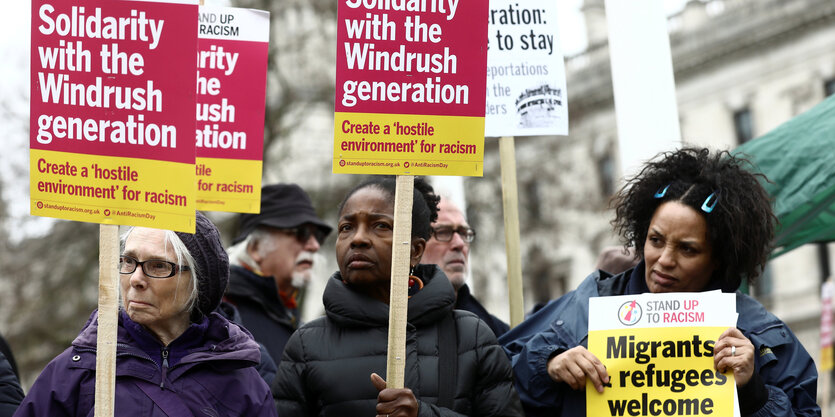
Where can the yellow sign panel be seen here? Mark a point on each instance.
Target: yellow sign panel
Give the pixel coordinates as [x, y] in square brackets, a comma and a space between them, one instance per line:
[112, 190]
[660, 372]
[407, 144]
[229, 185]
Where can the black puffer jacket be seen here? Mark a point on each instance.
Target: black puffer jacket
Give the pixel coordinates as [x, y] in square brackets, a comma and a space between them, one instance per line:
[10, 393]
[327, 362]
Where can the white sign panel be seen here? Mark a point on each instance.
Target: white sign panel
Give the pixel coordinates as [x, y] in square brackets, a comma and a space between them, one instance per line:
[525, 71]
[705, 309]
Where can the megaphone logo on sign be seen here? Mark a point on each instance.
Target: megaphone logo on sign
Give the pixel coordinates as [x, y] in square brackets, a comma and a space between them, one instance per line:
[630, 313]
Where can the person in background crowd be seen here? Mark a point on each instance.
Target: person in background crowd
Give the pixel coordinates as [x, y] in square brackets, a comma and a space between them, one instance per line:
[616, 259]
[271, 261]
[7, 352]
[700, 222]
[453, 365]
[267, 367]
[449, 248]
[10, 393]
[173, 356]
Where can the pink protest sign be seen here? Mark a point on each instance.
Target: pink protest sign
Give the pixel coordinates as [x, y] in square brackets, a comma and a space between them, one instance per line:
[410, 87]
[112, 119]
[231, 93]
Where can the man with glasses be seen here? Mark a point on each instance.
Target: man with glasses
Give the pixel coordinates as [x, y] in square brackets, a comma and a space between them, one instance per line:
[449, 248]
[271, 260]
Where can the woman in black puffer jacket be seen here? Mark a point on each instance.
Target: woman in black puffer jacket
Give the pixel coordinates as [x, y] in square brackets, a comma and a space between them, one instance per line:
[10, 393]
[327, 363]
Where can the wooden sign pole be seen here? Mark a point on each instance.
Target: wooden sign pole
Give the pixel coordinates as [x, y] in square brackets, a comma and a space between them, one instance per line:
[108, 320]
[398, 301]
[510, 202]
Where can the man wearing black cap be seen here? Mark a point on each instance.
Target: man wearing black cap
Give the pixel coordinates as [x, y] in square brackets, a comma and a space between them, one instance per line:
[271, 260]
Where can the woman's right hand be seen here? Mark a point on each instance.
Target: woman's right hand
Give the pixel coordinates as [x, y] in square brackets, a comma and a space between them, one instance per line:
[394, 402]
[574, 365]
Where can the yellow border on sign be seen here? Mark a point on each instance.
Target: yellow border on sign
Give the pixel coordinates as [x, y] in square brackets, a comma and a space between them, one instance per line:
[404, 144]
[112, 190]
[232, 185]
[676, 380]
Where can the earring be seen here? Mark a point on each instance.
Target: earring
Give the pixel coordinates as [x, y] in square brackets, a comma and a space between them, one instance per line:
[415, 283]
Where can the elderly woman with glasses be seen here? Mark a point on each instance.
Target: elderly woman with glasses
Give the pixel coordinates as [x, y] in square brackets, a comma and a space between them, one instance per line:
[174, 357]
[699, 221]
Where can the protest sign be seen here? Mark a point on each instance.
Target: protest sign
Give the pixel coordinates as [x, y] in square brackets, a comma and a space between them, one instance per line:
[827, 294]
[231, 92]
[525, 71]
[410, 86]
[112, 101]
[826, 359]
[658, 351]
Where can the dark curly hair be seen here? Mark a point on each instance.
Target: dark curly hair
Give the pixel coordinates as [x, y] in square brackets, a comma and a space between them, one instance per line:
[424, 201]
[740, 227]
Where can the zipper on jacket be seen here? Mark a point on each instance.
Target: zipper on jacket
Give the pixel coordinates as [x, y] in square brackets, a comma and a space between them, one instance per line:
[164, 367]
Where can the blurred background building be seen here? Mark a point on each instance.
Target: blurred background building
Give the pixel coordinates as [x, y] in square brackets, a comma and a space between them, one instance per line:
[742, 67]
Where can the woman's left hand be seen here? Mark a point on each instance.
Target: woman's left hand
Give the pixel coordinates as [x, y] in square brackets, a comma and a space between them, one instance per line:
[734, 351]
[393, 402]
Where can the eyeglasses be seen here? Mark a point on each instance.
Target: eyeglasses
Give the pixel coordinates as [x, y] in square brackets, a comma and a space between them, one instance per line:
[303, 233]
[444, 234]
[153, 268]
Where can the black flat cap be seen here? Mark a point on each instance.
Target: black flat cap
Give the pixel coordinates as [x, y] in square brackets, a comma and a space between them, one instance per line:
[283, 206]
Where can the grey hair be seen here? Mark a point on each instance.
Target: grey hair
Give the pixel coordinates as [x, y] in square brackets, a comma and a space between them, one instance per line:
[183, 255]
[239, 252]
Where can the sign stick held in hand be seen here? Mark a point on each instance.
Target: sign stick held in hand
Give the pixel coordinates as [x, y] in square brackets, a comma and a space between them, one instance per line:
[510, 202]
[398, 303]
[108, 319]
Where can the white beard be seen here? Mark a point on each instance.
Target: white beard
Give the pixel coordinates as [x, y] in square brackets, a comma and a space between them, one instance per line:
[300, 279]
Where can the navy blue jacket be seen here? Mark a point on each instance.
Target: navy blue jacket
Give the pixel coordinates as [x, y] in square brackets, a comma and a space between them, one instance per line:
[262, 312]
[783, 365]
[467, 302]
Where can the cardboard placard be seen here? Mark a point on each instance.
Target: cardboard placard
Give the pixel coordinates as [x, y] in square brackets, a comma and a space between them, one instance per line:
[526, 93]
[658, 351]
[112, 99]
[410, 87]
[231, 93]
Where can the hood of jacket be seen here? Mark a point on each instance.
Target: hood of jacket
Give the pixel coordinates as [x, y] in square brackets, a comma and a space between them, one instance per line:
[349, 308]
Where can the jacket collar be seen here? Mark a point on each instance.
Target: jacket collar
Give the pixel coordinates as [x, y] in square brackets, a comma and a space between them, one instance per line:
[245, 284]
[191, 338]
[349, 308]
[225, 344]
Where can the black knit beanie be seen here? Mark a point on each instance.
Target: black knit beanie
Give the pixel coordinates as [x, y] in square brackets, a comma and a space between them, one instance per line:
[211, 261]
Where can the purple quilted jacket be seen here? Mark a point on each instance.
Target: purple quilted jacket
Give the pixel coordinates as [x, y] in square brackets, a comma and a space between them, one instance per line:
[213, 375]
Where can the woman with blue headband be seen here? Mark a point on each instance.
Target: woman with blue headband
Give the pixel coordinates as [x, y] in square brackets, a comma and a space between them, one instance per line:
[699, 221]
